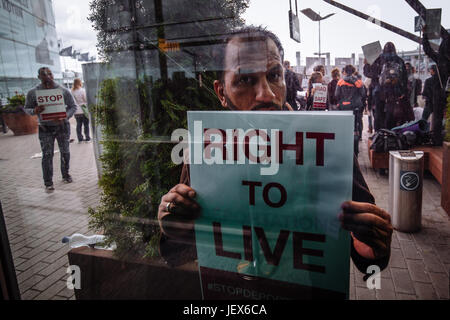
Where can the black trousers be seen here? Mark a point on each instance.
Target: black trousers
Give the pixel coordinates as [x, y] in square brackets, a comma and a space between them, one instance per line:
[47, 136]
[379, 112]
[82, 120]
[357, 134]
[436, 121]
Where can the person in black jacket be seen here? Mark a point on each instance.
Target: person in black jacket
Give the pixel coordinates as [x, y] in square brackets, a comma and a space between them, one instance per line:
[427, 92]
[390, 72]
[331, 101]
[292, 85]
[438, 93]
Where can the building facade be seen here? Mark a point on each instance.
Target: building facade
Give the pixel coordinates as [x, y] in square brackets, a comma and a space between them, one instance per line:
[28, 41]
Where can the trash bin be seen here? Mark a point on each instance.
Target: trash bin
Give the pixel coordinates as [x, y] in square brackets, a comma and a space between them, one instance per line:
[405, 189]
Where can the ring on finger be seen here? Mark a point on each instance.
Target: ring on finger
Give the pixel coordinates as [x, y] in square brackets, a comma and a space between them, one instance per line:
[168, 206]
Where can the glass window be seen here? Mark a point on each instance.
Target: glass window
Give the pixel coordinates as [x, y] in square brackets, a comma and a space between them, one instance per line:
[137, 82]
[25, 67]
[9, 58]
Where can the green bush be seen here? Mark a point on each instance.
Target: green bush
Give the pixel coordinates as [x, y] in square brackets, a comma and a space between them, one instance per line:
[15, 104]
[137, 119]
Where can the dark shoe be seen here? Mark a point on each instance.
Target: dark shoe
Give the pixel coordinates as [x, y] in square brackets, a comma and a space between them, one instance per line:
[71, 140]
[49, 189]
[68, 179]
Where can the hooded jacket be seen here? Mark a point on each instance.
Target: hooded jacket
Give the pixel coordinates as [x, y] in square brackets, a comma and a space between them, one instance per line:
[350, 93]
[374, 71]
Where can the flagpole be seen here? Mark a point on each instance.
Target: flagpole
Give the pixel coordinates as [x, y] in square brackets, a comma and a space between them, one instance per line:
[64, 61]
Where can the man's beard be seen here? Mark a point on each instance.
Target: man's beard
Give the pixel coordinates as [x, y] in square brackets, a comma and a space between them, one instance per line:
[262, 106]
[49, 83]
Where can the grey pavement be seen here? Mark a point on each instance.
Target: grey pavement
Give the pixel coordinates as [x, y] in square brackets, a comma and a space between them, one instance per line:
[420, 262]
[36, 222]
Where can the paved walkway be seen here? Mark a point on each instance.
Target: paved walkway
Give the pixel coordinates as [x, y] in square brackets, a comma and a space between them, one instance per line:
[420, 262]
[37, 221]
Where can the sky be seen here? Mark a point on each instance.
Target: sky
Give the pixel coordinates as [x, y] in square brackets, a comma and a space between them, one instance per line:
[73, 27]
[341, 35]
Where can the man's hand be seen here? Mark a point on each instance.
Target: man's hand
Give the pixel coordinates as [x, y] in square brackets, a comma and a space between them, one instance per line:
[370, 227]
[365, 61]
[177, 212]
[39, 109]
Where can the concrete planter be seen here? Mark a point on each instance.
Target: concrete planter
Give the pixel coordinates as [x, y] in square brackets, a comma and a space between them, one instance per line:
[445, 190]
[21, 123]
[105, 277]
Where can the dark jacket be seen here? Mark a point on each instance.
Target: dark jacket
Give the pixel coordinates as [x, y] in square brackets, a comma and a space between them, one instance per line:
[428, 87]
[374, 85]
[443, 67]
[331, 92]
[374, 71]
[350, 93]
[414, 88]
[292, 86]
[441, 58]
[434, 95]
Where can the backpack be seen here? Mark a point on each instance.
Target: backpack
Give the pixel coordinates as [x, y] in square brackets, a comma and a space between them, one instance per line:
[390, 74]
[386, 140]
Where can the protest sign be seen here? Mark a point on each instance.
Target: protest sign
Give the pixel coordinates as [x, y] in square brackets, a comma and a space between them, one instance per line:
[320, 96]
[53, 100]
[372, 51]
[270, 185]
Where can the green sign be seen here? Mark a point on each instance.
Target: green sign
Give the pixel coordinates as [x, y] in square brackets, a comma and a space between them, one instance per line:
[270, 185]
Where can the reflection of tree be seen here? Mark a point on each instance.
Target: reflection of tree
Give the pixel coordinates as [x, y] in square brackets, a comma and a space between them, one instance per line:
[138, 26]
[137, 166]
[138, 112]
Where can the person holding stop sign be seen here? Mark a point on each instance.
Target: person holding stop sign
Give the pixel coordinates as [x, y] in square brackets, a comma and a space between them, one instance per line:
[52, 125]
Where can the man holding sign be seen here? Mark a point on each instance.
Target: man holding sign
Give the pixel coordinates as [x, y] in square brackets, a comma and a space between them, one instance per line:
[54, 105]
[253, 80]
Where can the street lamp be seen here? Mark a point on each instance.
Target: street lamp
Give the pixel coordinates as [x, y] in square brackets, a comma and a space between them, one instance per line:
[315, 17]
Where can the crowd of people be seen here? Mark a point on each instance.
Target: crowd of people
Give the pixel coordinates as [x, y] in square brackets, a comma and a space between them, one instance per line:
[389, 93]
